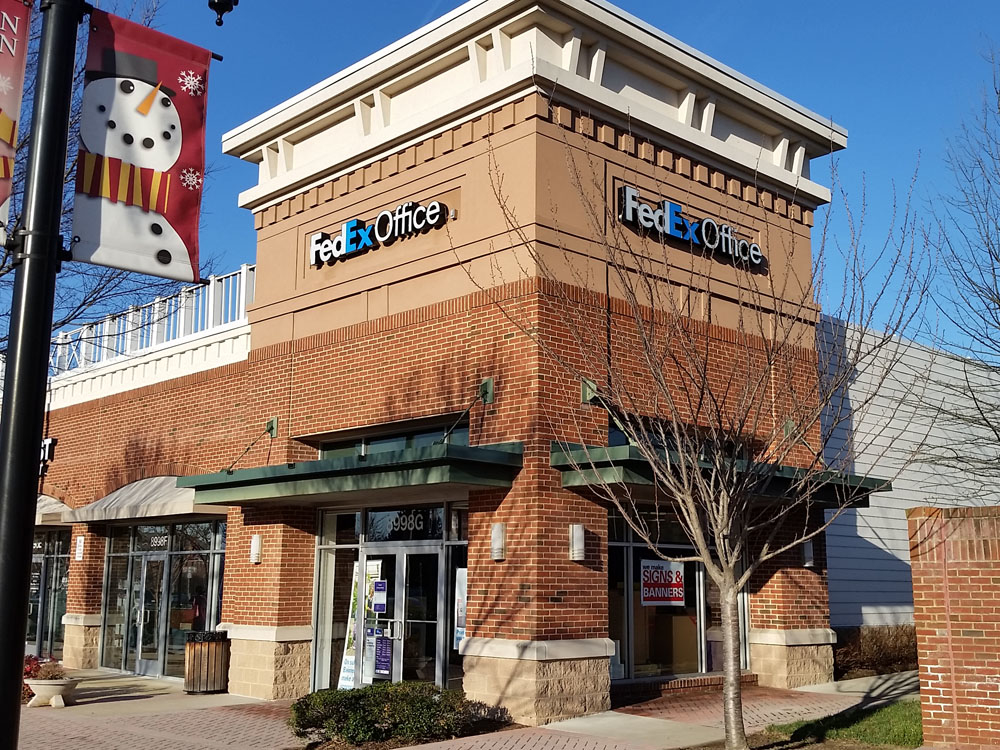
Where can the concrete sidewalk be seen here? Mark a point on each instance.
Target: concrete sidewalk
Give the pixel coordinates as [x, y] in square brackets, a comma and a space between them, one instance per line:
[682, 720]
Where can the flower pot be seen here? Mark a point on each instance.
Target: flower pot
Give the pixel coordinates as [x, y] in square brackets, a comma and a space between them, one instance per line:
[57, 693]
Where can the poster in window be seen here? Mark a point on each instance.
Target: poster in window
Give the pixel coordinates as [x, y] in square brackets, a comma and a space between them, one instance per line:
[662, 583]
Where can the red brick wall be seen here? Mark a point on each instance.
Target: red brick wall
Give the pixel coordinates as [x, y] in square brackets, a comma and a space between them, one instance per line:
[955, 558]
[86, 577]
[786, 595]
[420, 363]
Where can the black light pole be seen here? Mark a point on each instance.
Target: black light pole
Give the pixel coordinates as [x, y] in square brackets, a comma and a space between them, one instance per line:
[37, 246]
[27, 362]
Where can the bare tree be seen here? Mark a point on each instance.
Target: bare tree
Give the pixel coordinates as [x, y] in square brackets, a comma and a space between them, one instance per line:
[84, 293]
[720, 380]
[966, 240]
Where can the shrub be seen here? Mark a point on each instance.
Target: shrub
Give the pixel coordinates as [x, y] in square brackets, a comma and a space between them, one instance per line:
[410, 711]
[51, 670]
[871, 650]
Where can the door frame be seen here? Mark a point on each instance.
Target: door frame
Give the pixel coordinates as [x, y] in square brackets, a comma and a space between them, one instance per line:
[402, 551]
[150, 666]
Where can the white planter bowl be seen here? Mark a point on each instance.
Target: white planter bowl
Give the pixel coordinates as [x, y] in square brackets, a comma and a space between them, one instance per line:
[56, 693]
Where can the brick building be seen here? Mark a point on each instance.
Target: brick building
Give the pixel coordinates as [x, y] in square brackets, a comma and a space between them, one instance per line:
[955, 554]
[347, 456]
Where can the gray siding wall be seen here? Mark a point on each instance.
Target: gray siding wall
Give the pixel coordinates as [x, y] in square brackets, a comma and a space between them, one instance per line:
[903, 422]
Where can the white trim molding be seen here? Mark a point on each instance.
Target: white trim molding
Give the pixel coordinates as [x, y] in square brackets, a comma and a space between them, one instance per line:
[802, 637]
[281, 634]
[502, 648]
[87, 621]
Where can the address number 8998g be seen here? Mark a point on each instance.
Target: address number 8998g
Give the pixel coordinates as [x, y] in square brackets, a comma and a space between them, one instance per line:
[413, 521]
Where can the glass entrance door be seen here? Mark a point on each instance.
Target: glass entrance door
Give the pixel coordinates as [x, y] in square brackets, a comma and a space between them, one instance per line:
[149, 614]
[402, 606]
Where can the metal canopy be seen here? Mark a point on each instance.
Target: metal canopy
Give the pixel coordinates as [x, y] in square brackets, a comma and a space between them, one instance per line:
[583, 466]
[312, 483]
[155, 497]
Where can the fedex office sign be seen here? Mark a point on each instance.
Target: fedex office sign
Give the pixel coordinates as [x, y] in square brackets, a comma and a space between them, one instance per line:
[667, 219]
[661, 583]
[356, 237]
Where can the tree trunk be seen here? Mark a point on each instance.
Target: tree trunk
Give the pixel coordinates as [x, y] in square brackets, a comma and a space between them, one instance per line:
[732, 688]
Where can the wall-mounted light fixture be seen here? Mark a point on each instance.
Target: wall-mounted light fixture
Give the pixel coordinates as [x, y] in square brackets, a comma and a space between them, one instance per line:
[498, 542]
[808, 554]
[255, 549]
[577, 542]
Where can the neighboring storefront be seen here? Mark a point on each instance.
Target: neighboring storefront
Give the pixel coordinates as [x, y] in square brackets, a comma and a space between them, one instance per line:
[390, 450]
[163, 580]
[47, 592]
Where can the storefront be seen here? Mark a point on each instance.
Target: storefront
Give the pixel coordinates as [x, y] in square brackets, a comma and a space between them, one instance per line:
[47, 592]
[410, 565]
[394, 452]
[163, 580]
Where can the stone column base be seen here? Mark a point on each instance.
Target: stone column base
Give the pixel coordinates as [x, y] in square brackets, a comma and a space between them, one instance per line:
[81, 641]
[538, 682]
[792, 658]
[269, 663]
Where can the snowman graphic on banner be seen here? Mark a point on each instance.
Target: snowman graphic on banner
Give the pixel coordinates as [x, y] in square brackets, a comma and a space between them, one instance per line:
[141, 158]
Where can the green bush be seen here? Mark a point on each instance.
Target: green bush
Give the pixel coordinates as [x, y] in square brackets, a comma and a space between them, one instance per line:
[875, 649]
[410, 711]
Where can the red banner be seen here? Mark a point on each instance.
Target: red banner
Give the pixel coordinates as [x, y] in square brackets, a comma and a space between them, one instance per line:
[15, 24]
[141, 165]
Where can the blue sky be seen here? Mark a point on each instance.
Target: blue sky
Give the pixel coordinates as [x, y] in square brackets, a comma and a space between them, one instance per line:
[900, 76]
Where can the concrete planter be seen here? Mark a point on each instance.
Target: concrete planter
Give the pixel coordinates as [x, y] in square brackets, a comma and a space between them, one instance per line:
[57, 693]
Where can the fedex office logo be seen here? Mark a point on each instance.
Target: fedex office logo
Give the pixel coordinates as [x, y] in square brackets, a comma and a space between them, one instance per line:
[355, 237]
[668, 220]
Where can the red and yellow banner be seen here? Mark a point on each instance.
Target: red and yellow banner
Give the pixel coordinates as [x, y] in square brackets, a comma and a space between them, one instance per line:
[15, 22]
[141, 162]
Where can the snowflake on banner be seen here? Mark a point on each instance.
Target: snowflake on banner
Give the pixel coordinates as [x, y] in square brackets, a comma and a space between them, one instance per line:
[191, 178]
[191, 82]
[6, 85]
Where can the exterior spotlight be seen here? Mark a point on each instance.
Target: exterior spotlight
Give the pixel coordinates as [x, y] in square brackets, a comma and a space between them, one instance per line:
[498, 542]
[221, 7]
[255, 545]
[577, 543]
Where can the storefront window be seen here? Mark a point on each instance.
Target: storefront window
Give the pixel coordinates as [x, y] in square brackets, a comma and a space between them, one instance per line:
[120, 539]
[170, 583]
[405, 524]
[191, 537]
[188, 603]
[665, 637]
[152, 538]
[47, 592]
[458, 524]
[663, 615]
[116, 612]
[341, 528]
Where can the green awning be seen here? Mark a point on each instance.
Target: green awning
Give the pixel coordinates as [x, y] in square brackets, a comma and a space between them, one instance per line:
[584, 466]
[329, 480]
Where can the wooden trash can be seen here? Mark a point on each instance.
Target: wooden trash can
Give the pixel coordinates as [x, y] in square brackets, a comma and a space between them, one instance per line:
[206, 662]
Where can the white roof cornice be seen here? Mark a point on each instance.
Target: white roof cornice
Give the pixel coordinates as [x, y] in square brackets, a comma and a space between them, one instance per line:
[485, 50]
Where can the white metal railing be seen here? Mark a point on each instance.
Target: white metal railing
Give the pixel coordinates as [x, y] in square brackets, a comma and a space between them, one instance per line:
[194, 311]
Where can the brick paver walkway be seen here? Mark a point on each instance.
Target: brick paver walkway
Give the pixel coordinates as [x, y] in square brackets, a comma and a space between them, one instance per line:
[761, 707]
[258, 725]
[263, 725]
